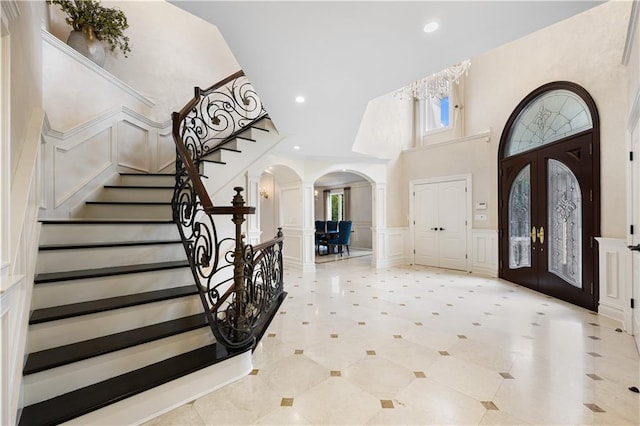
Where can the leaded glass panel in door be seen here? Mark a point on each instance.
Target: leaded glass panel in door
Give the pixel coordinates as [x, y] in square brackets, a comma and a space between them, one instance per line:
[520, 220]
[564, 210]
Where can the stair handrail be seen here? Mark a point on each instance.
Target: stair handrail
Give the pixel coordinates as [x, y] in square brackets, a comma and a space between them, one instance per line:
[238, 289]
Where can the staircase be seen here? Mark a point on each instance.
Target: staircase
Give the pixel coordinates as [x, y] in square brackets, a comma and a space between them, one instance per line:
[117, 332]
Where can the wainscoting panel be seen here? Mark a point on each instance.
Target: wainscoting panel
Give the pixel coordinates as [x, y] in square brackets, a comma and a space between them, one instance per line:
[361, 235]
[391, 247]
[166, 153]
[484, 252]
[75, 166]
[614, 259]
[132, 140]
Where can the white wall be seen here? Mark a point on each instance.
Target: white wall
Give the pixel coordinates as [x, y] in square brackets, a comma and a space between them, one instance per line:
[269, 212]
[184, 51]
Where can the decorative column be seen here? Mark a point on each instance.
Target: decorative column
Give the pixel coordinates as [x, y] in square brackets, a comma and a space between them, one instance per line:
[379, 224]
[308, 229]
[253, 199]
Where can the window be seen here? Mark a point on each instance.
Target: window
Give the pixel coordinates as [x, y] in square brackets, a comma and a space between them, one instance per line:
[438, 114]
[336, 206]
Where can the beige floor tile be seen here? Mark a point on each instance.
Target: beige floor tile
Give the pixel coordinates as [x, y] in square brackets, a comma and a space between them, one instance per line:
[379, 377]
[185, 415]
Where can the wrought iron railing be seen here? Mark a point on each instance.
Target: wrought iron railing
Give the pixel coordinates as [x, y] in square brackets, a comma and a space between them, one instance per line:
[240, 285]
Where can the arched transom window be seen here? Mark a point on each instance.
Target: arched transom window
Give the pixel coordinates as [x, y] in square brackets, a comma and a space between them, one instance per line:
[551, 116]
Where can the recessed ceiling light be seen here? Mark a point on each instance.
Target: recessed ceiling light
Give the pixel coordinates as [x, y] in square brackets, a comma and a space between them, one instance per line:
[296, 147]
[431, 27]
[300, 99]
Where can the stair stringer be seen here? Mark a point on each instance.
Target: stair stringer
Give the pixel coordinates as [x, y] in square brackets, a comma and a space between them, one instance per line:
[145, 406]
[235, 164]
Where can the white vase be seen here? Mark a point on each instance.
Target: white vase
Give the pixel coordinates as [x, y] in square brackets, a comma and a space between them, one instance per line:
[87, 44]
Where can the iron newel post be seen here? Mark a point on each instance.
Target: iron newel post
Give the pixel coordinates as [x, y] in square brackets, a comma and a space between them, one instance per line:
[238, 264]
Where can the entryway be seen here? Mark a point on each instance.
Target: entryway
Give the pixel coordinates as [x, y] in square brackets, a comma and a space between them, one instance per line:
[549, 194]
[439, 221]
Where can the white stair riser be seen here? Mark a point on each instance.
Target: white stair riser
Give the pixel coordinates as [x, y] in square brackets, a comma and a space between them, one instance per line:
[84, 327]
[135, 194]
[236, 163]
[76, 291]
[164, 398]
[90, 258]
[47, 384]
[146, 180]
[125, 211]
[103, 233]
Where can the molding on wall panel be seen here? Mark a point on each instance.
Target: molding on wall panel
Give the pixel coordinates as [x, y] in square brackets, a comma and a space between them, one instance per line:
[631, 30]
[10, 9]
[484, 252]
[72, 53]
[615, 280]
[390, 247]
[486, 136]
[146, 120]
[60, 199]
[105, 116]
[634, 114]
[121, 126]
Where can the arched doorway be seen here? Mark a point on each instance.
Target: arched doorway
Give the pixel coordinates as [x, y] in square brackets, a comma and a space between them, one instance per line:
[549, 194]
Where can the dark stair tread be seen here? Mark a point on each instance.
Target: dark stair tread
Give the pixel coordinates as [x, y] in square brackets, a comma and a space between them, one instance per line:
[137, 187]
[147, 174]
[133, 203]
[82, 221]
[73, 246]
[222, 148]
[105, 272]
[63, 355]
[245, 139]
[91, 307]
[82, 401]
[259, 128]
[212, 161]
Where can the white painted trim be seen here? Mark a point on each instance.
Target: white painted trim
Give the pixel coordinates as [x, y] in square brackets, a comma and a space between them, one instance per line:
[468, 178]
[105, 116]
[484, 252]
[634, 113]
[485, 136]
[614, 261]
[631, 30]
[10, 9]
[72, 53]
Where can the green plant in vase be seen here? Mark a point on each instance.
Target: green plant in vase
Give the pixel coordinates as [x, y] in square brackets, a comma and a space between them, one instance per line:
[92, 24]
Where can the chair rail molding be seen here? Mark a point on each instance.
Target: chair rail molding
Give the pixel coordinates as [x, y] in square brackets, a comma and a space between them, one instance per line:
[119, 139]
[614, 260]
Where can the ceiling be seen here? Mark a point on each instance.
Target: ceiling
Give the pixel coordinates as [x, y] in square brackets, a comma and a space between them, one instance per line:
[339, 55]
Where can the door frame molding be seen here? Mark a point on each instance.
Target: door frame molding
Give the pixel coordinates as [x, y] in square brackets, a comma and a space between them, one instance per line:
[468, 178]
[595, 151]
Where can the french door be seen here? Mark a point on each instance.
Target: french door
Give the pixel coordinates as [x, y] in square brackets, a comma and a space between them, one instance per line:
[549, 189]
[547, 220]
[440, 224]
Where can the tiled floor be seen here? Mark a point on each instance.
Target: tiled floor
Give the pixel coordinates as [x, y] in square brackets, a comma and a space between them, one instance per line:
[353, 346]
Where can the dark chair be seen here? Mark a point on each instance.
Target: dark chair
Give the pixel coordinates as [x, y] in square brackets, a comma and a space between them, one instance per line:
[321, 227]
[342, 240]
[332, 226]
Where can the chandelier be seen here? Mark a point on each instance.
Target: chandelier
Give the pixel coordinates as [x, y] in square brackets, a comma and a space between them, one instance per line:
[434, 85]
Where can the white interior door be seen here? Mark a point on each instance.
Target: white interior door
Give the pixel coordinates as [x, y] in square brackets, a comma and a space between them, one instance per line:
[440, 224]
[635, 238]
[452, 229]
[426, 224]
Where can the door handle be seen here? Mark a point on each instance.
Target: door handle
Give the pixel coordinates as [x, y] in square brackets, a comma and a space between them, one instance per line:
[541, 235]
[442, 229]
[533, 234]
[434, 229]
[635, 248]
